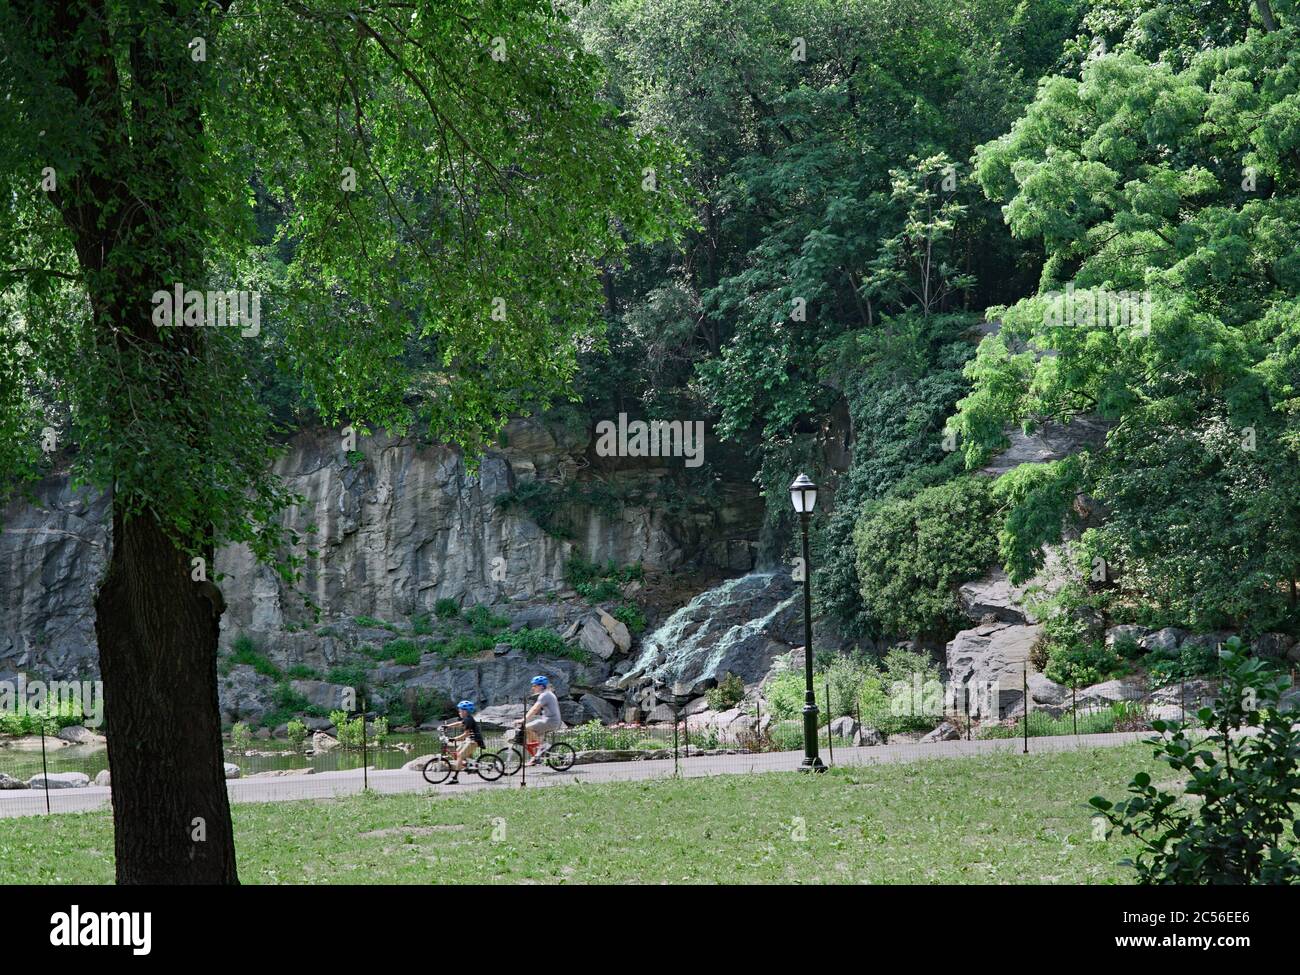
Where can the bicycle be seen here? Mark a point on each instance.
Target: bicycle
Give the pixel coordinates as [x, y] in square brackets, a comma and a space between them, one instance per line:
[558, 756]
[487, 764]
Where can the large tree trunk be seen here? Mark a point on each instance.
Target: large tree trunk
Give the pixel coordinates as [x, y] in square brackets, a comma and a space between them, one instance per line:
[157, 633]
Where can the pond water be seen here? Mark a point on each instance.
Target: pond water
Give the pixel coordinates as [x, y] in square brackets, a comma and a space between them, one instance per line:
[271, 756]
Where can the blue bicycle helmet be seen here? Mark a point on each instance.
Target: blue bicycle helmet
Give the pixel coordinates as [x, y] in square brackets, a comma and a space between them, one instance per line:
[466, 706]
[540, 681]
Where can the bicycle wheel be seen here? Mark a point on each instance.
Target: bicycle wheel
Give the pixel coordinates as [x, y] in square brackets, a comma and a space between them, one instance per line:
[512, 759]
[436, 770]
[561, 756]
[490, 767]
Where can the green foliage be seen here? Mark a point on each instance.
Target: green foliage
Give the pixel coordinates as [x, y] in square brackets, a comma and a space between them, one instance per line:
[244, 651]
[729, 692]
[913, 553]
[484, 622]
[1242, 826]
[296, 732]
[465, 645]
[421, 625]
[446, 608]
[1200, 521]
[287, 699]
[371, 623]
[350, 675]
[302, 672]
[631, 616]
[599, 583]
[1120, 716]
[350, 731]
[880, 694]
[594, 736]
[539, 642]
[50, 717]
[402, 651]
[241, 737]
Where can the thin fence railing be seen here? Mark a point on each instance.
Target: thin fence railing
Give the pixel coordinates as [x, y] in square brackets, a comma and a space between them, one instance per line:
[756, 734]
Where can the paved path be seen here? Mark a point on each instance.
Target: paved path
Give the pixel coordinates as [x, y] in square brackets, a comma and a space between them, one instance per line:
[323, 785]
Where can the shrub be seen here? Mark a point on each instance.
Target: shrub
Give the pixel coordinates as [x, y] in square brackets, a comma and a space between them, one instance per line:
[296, 733]
[1245, 827]
[421, 625]
[446, 609]
[729, 692]
[241, 737]
[484, 622]
[350, 675]
[287, 699]
[403, 651]
[371, 623]
[541, 642]
[302, 672]
[630, 615]
[350, 730]
[913, 553]
[244, 651]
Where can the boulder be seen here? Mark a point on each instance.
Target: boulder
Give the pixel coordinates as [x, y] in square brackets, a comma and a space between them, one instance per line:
[9, 782]
[1110, 692]
[844, 727]
[59, 780]
[231, 769]
[946, 731]
[1162, 641]
[661, 714]
[904, 738]
[618, 632]
[244, 694]
[80, 735]
[993, 653]
[1271, 646]
[595, 639]
[280, 773]
[318, 724]
[417, 764]
[1293, 654]
[103, 778]
[1048, 441]
[696, 706]
[500, 716]
[324, 695]
[598, 709]
[1046, 695]
[1118, 637]
[995, 596]
[868, 737]
[322, 742]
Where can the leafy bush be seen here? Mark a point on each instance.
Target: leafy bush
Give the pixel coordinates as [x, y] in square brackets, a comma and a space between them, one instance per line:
[484, 622]
[296, 733]
[1194, 658]
[351, 730]
[630, 615]
[446, 609]
[244, 651]
[1245, 827]
[241, 737]
[540, 642]
[50, 718]
[913, 553]
[371, 623]
[594, 736]
[287, 699]
[599, 583]
[350, 675]
[859, 688]
[729, 692]
[466, 645]
[402, 651]
[302, 672]
[421, 625]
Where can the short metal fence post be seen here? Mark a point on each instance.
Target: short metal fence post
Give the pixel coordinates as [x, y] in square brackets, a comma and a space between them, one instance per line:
[1024, 674]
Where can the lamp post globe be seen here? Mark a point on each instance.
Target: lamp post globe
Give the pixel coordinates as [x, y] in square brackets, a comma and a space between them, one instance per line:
[803, 495]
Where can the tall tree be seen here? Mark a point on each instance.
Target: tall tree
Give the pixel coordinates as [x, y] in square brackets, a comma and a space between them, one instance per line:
[441, 172]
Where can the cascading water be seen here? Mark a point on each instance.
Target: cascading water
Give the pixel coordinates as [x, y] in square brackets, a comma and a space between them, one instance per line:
[735, 628]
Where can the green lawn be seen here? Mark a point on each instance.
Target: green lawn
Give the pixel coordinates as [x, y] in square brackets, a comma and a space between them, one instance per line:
[998, 819]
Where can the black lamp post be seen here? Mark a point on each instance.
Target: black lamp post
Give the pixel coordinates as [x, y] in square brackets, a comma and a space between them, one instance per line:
[803, 494]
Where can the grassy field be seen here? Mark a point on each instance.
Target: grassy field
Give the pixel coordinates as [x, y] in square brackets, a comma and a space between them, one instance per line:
[1002, 819]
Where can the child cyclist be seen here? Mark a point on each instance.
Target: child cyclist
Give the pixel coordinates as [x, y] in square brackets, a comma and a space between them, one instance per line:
[469, 741]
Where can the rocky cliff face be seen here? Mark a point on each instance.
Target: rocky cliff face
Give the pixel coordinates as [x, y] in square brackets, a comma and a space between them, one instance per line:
[385, 534]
